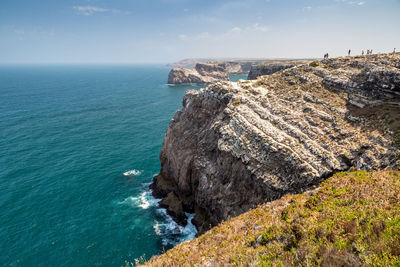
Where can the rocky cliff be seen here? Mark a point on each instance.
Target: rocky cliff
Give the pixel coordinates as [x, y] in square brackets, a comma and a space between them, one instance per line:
[233, 65]
[261, 70]
[201, 73]
[236, 145]
[240, 67]
[213, 71]
[272, 66]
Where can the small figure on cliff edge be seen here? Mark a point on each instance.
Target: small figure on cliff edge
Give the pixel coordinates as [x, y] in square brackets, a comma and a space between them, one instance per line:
[362, 52]
[349, 52]
[326, 56]
[394, 51]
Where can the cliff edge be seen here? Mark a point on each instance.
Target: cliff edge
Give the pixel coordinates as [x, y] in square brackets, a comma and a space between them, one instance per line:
[236, 145]
[351, 220]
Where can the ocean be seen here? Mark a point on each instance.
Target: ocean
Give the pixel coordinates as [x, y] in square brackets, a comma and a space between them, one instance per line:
[79, 146]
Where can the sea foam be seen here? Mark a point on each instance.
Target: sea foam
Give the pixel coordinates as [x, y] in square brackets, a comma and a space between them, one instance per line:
[143, 201]
[132, 173]
[172, 233]
[164, 226]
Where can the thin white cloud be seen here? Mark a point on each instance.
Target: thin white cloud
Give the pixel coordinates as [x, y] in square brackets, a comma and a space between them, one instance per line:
[90, 10]
[203, 35]
[258, 27]
[19, 31]
[183, 37]
[356, 3]
[352, 3]
[236, 30]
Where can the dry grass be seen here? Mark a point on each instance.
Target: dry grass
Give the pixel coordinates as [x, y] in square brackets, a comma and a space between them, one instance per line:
[352, 220]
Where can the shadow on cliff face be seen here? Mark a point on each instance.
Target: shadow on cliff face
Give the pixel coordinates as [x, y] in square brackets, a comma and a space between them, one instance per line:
[383, 118]
[382, 115]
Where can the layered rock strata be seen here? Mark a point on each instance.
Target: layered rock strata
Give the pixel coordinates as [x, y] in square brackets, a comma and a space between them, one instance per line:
[260, 70]
[201, 73]
[236, 145]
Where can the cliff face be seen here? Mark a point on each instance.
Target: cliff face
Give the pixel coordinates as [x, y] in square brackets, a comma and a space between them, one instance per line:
[201, 73]
[240, 67]
[260, 70]
[234, 66]
[214, 71]
[236, 145]
[272, 66]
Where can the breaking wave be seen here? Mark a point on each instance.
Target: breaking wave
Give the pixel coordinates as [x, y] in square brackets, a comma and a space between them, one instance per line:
[132, 173]
[144, 200]
[164, 226]
[172, 233]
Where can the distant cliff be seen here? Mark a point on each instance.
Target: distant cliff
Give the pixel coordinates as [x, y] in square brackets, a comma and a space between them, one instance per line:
[214, 71]
[236, 145]
[261, 70]
[272, 66]
[233, 65]
[201, 73]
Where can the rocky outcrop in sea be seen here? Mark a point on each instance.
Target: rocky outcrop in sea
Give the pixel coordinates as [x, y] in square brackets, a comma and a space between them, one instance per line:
[236, 145]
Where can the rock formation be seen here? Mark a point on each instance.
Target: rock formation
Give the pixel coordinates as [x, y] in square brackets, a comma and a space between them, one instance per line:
[201, 73]
[272, 66]
[234, 66]
[260, 70]
[214, 71]
[236, 145]
[187, 63]
[240, 67]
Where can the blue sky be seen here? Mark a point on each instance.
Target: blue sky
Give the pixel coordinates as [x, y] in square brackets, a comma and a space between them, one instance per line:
[139, 31]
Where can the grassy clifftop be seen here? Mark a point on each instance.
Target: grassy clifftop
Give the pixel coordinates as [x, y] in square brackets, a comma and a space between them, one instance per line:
[352, 219]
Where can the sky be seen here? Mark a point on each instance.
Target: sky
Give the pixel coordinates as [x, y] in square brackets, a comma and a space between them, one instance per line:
[161, 31]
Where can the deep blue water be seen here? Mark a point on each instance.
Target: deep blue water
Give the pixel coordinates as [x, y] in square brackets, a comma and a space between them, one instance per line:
[68, 135]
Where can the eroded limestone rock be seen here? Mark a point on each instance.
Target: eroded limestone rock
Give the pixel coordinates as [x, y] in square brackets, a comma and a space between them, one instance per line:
[201, 73]
[236, 145]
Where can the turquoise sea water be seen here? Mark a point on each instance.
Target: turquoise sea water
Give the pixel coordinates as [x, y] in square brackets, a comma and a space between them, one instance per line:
[237, 77]
[79, 146]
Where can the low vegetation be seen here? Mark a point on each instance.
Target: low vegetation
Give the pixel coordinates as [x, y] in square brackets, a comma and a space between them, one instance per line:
[352, 219]
[314, 64]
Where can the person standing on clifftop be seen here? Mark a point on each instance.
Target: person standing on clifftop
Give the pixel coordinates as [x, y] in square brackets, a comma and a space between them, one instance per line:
[362, 52]
[349, 52]
[394, 51]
